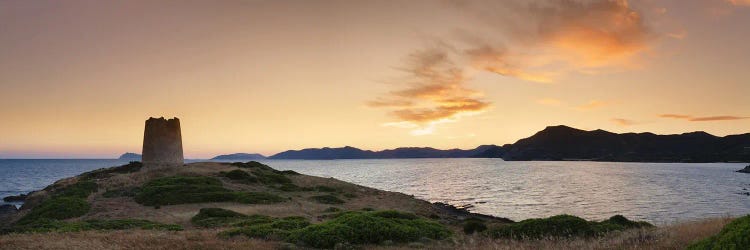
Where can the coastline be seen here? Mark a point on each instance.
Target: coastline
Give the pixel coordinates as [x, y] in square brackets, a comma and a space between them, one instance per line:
[353, 198]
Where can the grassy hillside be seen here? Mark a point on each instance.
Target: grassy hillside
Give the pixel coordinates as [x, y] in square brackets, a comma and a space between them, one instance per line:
[251, 205]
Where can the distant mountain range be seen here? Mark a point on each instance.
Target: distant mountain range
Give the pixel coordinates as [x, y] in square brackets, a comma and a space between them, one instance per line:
[554, 143]
[239, 156]
[355, 153]
[130, 156]
[561, 143]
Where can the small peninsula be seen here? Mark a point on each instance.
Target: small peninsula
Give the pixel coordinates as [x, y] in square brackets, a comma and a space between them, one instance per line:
[239, 157]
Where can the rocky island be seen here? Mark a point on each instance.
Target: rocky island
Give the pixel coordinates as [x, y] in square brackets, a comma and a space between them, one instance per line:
[130, 156]
[238, 157]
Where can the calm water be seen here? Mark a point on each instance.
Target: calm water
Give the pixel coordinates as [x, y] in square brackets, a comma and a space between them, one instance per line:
[656, 192]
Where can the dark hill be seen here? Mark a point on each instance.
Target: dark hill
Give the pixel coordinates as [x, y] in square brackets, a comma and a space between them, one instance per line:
[560, 143]
[398, 153]
[325, 154]
[566, 143]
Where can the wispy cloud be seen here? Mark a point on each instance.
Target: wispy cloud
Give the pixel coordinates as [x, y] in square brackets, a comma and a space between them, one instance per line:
[680, 34]
[538, 41]
[548, 39]
[739, 2]
[703, 118]
[593, 104]
[434, 92]
[623, 122]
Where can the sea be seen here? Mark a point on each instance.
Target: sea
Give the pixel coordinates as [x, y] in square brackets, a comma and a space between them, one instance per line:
[660, 193]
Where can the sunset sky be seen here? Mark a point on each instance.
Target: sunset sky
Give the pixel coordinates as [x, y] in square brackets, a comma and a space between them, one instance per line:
[79, 78]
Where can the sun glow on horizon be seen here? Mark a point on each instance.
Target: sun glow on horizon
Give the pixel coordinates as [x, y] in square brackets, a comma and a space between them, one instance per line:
[78, 79]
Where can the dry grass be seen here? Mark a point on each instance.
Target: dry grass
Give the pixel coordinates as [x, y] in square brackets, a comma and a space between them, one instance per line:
[676, 236]
[136, 239]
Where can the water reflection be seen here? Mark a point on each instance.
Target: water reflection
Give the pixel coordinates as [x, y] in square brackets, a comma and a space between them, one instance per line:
[656, 192]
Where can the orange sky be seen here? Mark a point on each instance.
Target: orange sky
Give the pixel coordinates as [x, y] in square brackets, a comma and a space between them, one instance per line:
[79, 78]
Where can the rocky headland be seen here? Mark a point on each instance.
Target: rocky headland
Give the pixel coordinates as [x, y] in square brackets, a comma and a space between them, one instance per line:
[212, 205]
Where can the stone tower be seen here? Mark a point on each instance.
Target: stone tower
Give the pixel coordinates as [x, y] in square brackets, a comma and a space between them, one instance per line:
[162, 143]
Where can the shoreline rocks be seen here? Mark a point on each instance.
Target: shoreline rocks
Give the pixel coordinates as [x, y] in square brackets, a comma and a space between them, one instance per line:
[15, 198]
[463, 213]
[7, 212]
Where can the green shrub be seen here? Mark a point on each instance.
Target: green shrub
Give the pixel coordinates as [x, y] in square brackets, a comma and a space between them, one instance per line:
[563, 226]
[265, 175]
[289, 172]
[184, 180]
[735, 235]
[216, 217]
[52, 225]
[332, 210]
[620, 220]
[367, 228]
[270, 177]
[269, 228]
[254, 219]
[239, 175]
[290, 223]
[474, 225]
[258, 198]
[289, 187]
[182, 190]
[131, 167]
[80, 189]
[64, 203]
[325, 189]
[393, 214]
[124, 224]
[327, 199]
[253, 165]
[182, 194]
[57, 208]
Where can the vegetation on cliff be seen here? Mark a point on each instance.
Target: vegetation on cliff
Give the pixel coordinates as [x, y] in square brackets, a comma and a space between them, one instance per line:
[196, 189]
[564, 226]
[735, 235]
[51, 225]
[361, 216]
[64, 203]
[347, 227]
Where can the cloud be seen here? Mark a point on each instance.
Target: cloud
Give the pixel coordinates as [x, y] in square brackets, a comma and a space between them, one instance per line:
[492, 59]
[623, 122]
[703, 118]
[679, 35]
[675, 116]
[539, 41]
[739, 2]
[717, 118]
[594, 104]
[434, 92]
[545, 40]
